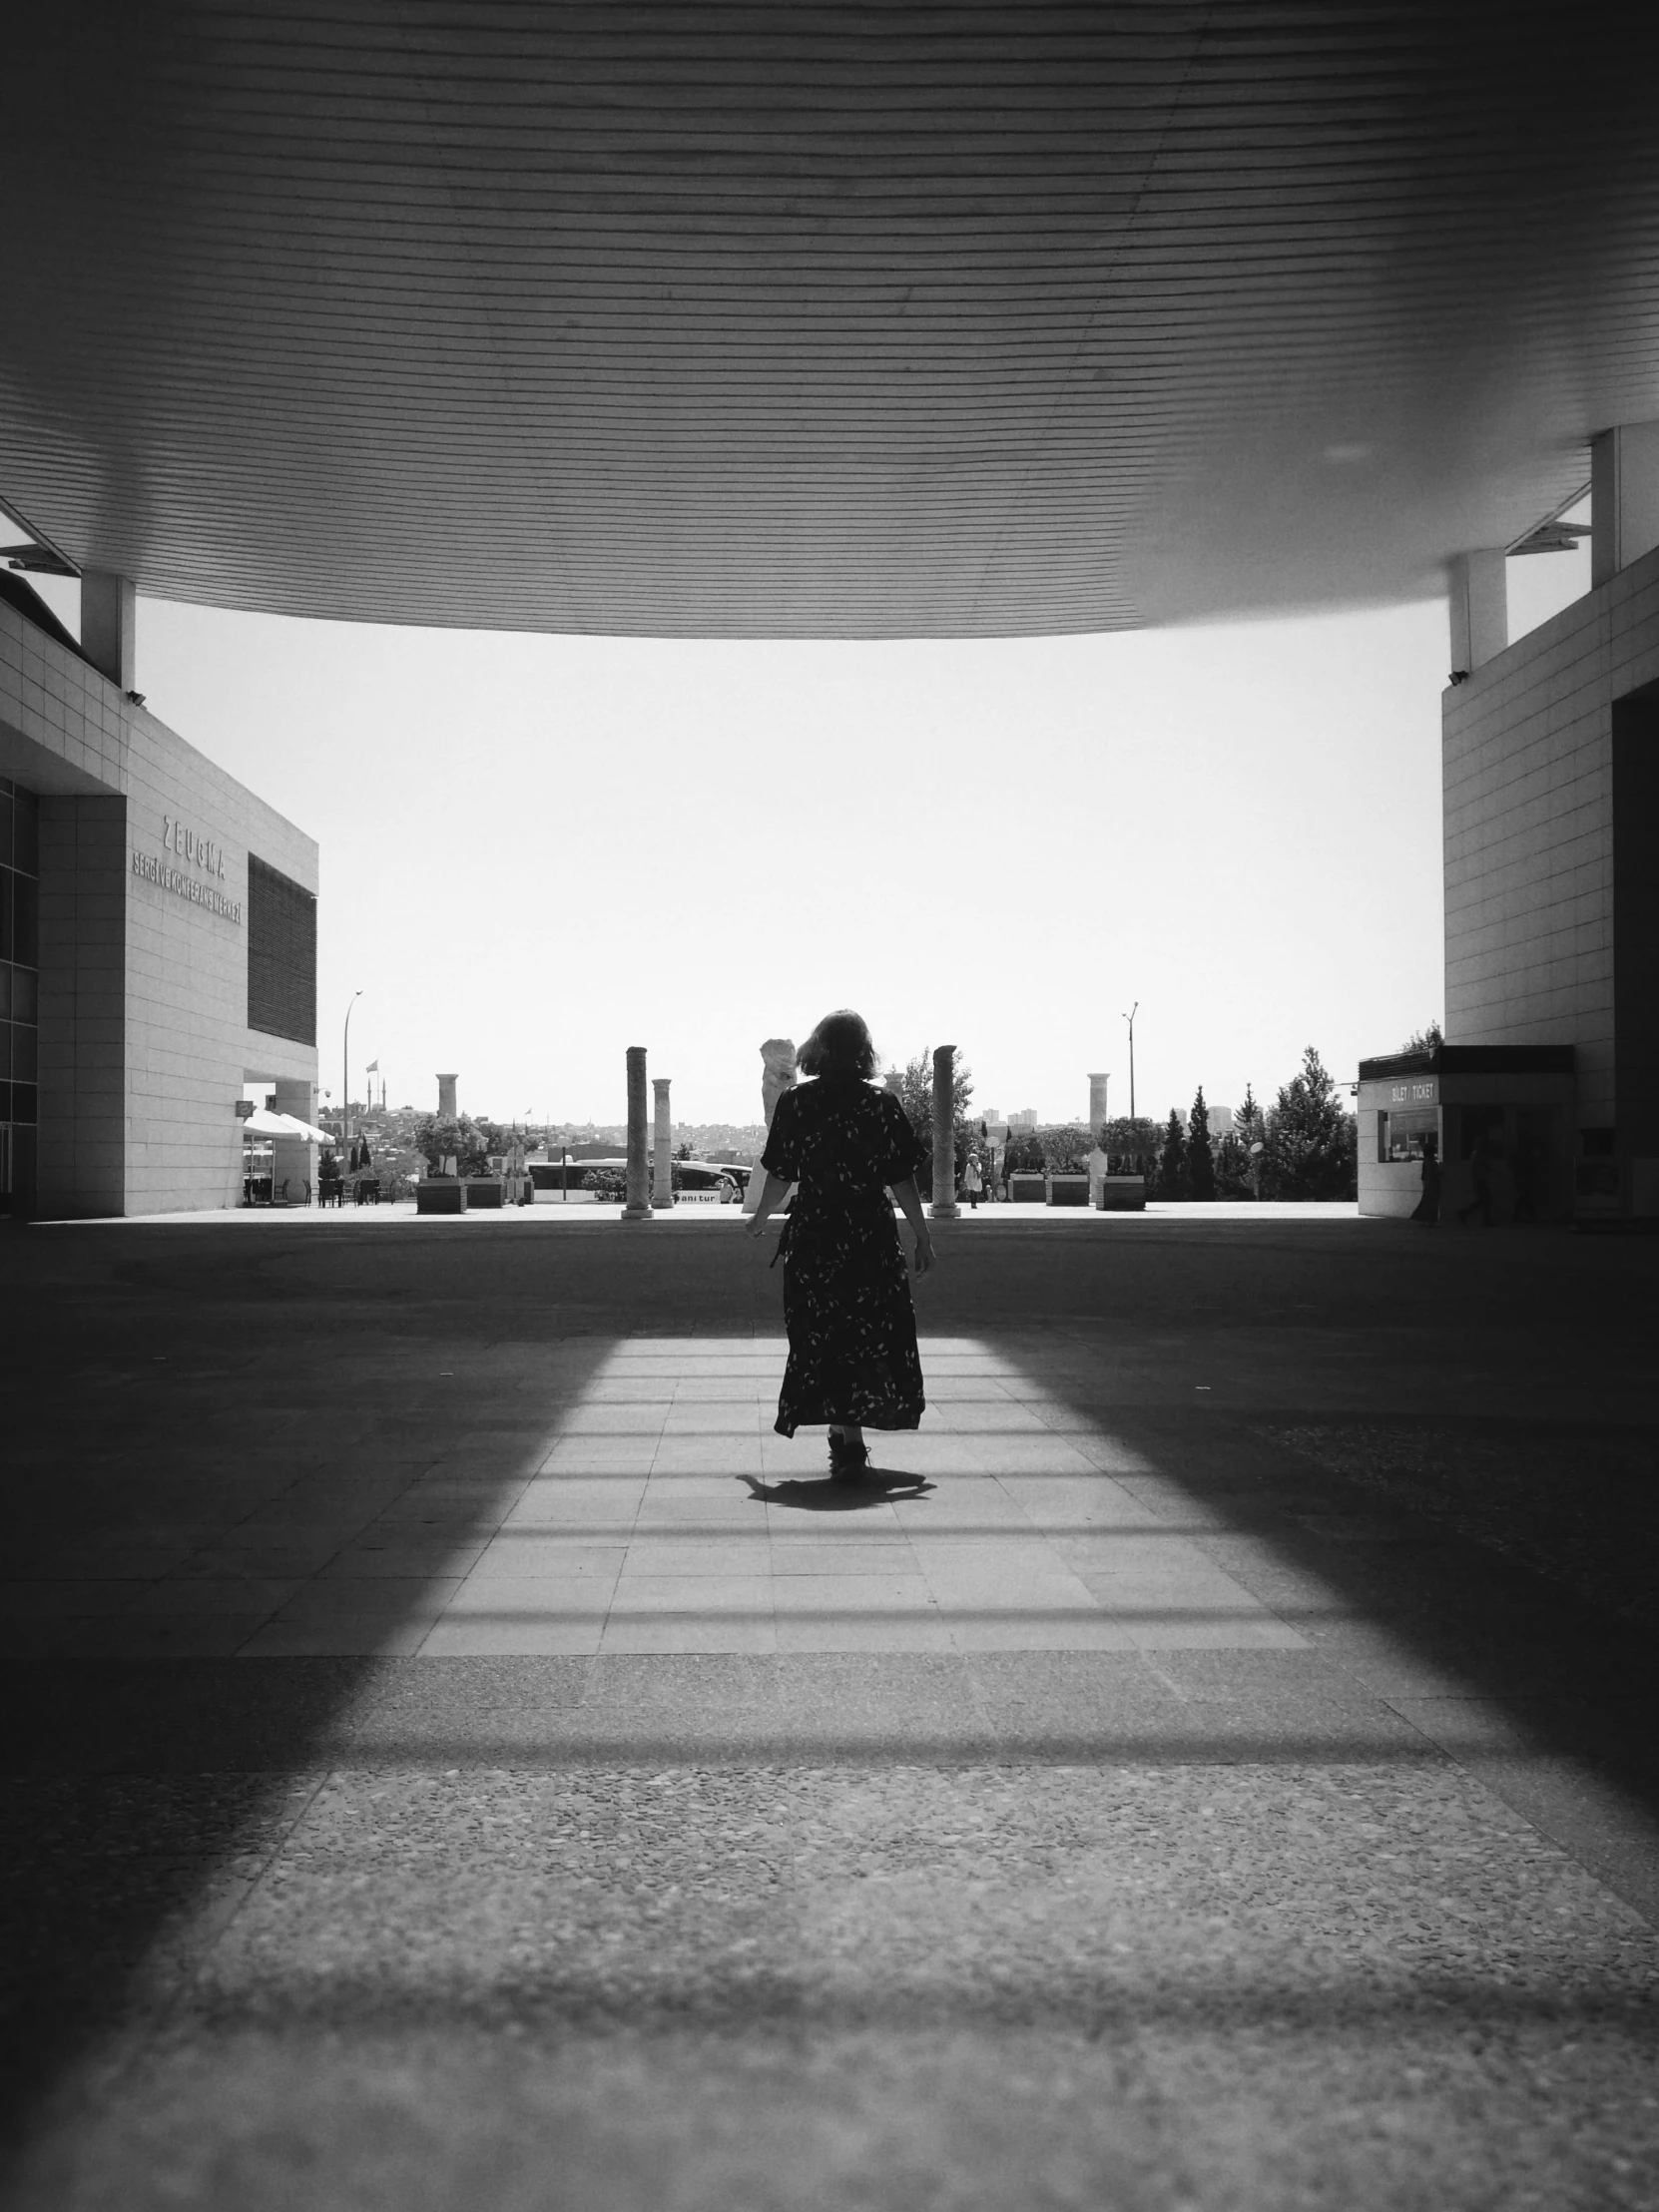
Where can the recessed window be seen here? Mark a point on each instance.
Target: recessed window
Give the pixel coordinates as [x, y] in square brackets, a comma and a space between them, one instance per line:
[282, 954]
[1402, 1136]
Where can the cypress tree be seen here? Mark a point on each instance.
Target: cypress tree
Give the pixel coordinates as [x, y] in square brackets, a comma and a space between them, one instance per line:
[1201, 1161]
[1172, 1160]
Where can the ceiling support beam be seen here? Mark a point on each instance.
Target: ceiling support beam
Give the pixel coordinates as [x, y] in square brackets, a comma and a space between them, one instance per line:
[109, 624]
[1478, 592]
[1624, 497]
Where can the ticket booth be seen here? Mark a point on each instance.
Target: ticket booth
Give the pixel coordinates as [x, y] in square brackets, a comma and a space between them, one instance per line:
[1517, 1103]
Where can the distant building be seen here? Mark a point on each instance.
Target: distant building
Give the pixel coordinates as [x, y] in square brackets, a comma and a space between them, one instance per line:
[1026, 1118]
[1220, 1119]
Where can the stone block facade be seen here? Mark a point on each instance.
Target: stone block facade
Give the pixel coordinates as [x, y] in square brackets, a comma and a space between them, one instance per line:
[1540, 924]
[145, 1045]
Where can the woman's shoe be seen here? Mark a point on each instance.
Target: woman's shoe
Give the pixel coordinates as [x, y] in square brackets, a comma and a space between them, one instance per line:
[848, 1461]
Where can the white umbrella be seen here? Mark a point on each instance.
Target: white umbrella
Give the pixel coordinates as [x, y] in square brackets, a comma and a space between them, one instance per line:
[263, 1122]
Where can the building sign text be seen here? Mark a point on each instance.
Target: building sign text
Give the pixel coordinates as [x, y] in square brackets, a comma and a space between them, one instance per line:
[154, 871]
[199, 851]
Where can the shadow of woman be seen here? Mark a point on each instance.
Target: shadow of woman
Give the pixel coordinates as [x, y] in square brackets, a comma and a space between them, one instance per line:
[827, 1495]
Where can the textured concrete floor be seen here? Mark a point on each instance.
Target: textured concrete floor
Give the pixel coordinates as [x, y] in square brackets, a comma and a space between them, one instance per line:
[460, 1757]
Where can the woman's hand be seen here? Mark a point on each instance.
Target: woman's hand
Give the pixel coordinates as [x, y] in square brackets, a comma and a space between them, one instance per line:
[923, 1257]
[754, 1226]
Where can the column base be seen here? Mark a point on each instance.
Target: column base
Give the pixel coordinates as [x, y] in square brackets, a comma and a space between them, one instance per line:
[636, 1213]
[944, 1213]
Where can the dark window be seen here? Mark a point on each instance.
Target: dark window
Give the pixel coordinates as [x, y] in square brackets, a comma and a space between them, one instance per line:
[1401, 1136]
[25, 854]
[282, 955]
[1476, 1122]
[25, 920]
[23, 1103]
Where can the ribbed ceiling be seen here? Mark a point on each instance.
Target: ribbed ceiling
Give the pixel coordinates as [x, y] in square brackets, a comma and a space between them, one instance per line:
[815, 320]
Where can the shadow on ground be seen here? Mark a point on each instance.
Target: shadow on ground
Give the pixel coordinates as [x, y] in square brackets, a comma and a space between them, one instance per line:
[1435, 1459]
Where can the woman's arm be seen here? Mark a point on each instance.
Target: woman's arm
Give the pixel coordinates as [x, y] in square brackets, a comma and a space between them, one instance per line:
[909, 1205]
[771, 1194]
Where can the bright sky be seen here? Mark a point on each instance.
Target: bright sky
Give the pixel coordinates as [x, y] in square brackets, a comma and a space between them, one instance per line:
[538, 850]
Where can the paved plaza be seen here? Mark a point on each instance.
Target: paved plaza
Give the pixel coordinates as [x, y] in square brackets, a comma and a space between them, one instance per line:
[461, 1755]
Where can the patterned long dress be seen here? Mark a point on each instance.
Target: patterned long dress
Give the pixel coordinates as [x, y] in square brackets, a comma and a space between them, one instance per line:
[846, 1281]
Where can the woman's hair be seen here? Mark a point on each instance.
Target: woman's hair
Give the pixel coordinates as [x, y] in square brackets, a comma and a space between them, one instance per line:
[839, 1045]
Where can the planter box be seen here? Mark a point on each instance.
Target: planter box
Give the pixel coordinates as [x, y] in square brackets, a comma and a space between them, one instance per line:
[1026, 1188]
[1122, 1194]
[440, 1195]
[485, 1194]
[1068, 1190]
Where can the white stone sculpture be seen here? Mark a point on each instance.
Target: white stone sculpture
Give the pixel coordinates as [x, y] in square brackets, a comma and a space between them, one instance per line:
[778, 1075]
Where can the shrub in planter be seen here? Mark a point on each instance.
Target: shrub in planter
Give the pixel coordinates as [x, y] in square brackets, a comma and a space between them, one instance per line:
[608, 1185]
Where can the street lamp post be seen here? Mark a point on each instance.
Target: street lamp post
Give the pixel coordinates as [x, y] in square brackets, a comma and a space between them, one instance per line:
[1130, 1018]
[345, 1070]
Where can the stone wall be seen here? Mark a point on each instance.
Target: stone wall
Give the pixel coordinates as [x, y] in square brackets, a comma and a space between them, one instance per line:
[143, 953]
[1528, 798]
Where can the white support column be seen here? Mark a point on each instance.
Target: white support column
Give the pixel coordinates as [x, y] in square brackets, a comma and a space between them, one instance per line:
[1478, 591]
[108, 621]
[662, 1193]
[1624, 497]
[1097, 1101]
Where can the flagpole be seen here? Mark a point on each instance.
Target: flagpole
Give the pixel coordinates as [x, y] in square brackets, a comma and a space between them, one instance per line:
[345, 1070]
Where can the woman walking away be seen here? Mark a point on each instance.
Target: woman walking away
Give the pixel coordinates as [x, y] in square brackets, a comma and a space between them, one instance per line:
[847, 1296]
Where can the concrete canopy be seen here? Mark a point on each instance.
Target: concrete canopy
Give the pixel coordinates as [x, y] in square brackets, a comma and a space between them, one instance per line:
[869, 321]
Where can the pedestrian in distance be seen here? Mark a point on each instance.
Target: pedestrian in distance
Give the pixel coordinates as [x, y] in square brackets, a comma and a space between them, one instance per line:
[846, 1143]
[1428, 1208]
[974, 1182]
[1480, 1175]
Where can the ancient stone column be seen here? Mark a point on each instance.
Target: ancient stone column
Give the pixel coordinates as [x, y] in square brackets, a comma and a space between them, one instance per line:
[1097, 1101]
[662, 1191]
[945, 1206]
[446, 1097]
[637, 1199]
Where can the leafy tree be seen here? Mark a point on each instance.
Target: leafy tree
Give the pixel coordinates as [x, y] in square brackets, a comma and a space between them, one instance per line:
[1201, 1161]
[1232, 1167]
[1312, 1139]
[1429, 1039]
[1131, 1145]
[1172, 1159]
[914, 1086]
[1238, 1163]
[470, 1141]
[1024, 1153]
[1065, 1145]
